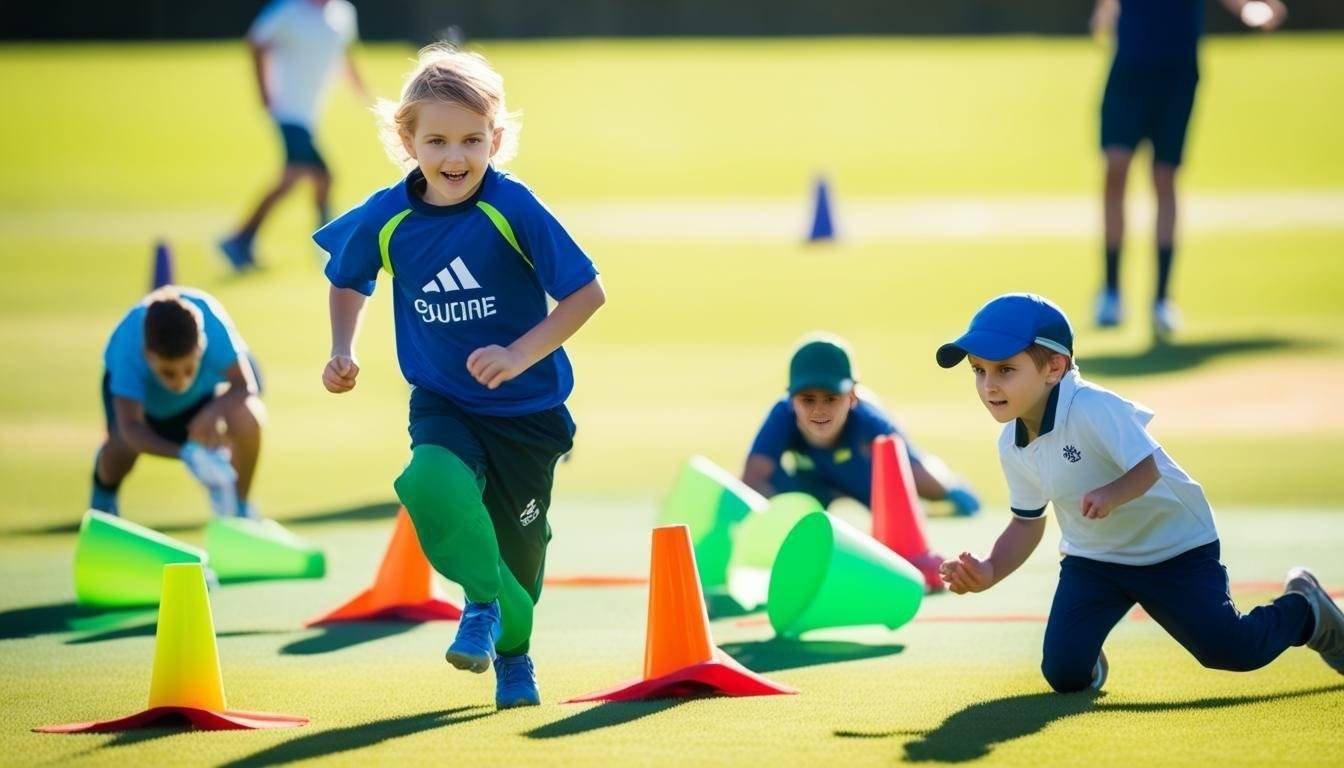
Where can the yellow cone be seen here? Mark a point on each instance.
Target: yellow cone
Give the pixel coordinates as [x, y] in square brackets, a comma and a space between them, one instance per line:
[186, 661]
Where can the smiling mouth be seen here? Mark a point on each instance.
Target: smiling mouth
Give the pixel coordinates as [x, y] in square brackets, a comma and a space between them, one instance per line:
[454, 176]
[997, 403]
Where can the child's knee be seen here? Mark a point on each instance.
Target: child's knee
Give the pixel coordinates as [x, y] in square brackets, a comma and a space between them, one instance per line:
[248, 418]
[442, 495]
[1067, 674]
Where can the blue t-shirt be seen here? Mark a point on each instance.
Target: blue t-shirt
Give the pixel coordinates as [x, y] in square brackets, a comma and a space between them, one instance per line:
[1159, 32]
[848, 465]
[466, 276]
[129, 374]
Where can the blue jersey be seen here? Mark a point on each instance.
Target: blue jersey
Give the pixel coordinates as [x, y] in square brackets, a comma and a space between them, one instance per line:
[466, 276]
[846, 466]
[1160, 32]
[129, 375]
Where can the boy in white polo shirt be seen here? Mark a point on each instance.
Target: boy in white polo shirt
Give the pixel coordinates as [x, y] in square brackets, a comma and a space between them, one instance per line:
[1136, 528]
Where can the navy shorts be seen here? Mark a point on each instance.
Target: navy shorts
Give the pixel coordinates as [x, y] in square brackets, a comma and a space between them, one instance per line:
[171, 428]
[514, 457]
[1149, 101]
[299, 147]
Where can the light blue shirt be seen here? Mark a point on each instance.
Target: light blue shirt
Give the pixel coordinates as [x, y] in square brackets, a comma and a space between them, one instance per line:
[129, 373]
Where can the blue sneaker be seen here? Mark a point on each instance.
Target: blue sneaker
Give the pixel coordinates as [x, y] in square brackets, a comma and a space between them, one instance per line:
[478, 631]
[238, 251]
[516, 682]
[964, 502]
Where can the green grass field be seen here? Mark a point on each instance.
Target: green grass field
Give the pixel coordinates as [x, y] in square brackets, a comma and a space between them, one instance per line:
[108, 147]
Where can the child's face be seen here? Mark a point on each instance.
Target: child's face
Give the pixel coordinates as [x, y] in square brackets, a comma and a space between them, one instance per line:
[1014, 387]
[452, 145]
[821, 414]
[176, 374]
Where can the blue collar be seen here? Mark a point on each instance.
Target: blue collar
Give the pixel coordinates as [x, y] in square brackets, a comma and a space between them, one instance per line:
[1021, 438]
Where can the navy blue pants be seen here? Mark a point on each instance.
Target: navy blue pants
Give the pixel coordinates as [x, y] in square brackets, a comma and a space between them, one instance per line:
[1187, 595]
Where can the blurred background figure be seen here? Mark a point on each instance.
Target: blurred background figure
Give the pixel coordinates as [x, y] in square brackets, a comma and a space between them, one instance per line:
[179, 383]
[296, 45]
[818, 438]
[1149, 96]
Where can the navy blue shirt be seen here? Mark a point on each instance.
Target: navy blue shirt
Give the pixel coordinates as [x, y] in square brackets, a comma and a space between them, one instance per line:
[1164, 32]
[848, 465]
[465, 276]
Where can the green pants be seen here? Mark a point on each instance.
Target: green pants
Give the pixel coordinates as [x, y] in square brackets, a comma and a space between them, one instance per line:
[478, 488]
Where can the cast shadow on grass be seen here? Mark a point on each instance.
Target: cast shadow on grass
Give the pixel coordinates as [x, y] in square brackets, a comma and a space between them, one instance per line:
[149, 630]
[1169, 357]
[605, 715]
[355, 737]
[384, 510]
[721, 606]
[340, 635]
[56, 618]
[778, 653]
[72, 526]
[973, 732]
[364, 512]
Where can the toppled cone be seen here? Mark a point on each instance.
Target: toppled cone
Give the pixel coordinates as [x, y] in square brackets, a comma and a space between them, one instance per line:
[186, 684]
[679, 657]
[898, 519]
[403, 589]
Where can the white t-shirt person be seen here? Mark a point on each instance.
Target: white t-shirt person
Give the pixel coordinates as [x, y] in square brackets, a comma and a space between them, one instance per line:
[305, 41]
[1089, 436]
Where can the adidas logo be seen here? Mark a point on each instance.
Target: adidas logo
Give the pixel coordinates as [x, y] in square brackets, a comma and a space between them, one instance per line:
[444, 282]
[530, 512]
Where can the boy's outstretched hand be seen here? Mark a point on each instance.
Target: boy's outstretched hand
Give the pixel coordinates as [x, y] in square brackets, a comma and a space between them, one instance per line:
[494, 365]
[339, 375]
[967, 574]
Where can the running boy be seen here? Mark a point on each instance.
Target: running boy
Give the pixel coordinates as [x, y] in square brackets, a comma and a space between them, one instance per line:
[473, 255]
[295, 45]
[1149, 95]
[1136, 528]
[179, 383]
[818, 438]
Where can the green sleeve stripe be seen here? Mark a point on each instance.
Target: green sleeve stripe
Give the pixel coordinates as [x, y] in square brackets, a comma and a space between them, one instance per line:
[502, 224]
[385, 239]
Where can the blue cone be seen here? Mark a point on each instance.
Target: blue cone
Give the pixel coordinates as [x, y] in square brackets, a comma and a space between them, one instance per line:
[163, 265]
[822, 226]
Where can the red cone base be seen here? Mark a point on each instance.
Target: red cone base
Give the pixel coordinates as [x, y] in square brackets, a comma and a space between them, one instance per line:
[361, 609]
[928, 568]
[200, 719]
[722, 676]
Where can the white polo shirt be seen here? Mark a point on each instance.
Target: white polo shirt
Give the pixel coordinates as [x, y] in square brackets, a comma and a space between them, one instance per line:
[305, 43]
[1089, 437]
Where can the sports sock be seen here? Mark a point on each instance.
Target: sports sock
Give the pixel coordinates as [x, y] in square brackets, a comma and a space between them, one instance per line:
[1113, 269]
[1164, 258]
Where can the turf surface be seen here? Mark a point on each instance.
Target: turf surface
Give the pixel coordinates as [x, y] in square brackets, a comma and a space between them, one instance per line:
[109, 147]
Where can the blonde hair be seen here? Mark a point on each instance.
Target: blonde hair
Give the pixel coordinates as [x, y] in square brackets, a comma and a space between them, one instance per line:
[445, 74]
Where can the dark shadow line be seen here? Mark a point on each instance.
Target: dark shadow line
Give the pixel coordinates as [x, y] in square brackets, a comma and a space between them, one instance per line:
[330, 742]
[340, 635]
[778, 653]
[973, 732]
[1169, 357]
[605, 715]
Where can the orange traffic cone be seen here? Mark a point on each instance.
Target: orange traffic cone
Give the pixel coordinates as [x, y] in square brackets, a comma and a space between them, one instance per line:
[680, 659]
[898, 519]
[186, 683]
[404, 588]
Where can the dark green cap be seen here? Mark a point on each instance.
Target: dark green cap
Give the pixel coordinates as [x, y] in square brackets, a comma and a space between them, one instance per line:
[820, 364]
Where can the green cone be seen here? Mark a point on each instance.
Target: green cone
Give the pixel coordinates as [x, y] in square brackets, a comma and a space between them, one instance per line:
[830, 574]
[119, 564]
[711, 502]
[758, 540]
[249, 550]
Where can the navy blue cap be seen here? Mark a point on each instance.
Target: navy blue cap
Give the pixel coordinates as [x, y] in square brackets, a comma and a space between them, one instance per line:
[1009, 324]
